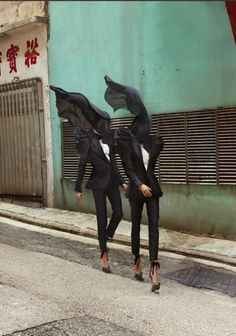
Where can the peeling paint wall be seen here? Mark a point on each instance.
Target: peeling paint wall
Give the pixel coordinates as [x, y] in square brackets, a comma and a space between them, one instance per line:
[12, 12]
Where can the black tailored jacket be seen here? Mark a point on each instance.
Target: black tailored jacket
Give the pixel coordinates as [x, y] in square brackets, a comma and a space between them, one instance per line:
[103, 170]
[132, 161]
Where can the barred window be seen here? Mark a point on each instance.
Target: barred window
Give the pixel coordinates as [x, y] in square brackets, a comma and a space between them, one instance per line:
[199, 147]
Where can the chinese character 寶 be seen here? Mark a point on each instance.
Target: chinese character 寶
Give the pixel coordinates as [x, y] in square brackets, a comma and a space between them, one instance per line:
[11, 57]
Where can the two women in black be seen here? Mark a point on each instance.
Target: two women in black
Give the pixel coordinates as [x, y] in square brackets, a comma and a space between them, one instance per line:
[138, 149]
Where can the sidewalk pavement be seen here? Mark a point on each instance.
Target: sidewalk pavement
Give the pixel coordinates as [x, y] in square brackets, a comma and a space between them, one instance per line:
[214, 249]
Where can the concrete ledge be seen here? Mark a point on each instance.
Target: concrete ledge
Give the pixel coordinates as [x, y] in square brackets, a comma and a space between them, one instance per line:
[7, 28]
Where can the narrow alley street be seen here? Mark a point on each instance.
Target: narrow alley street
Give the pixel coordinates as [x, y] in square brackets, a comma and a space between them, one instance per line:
[51, 284]
[117, 132]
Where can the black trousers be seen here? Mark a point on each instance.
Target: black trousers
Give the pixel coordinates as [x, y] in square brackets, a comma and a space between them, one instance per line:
[152, 205]
[100, 197]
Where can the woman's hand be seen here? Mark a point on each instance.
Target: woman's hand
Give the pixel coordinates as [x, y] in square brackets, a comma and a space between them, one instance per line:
[145, 190]
[125, 186]
[78, 195]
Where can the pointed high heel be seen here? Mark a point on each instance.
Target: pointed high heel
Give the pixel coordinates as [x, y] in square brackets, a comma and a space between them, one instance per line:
[155, 265]
[105, 269]
[138, 276]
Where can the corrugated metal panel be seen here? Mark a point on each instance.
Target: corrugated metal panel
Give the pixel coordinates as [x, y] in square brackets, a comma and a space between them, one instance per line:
[70, 157]
[172, 161]
[21, 151]
[200, 147]
[226, 146]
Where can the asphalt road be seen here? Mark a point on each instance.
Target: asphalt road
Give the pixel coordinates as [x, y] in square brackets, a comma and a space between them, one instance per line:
[51, 284]
[77, 326]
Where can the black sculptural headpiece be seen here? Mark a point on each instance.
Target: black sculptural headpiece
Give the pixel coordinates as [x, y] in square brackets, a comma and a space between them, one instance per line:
[121, 96]
[79, 111]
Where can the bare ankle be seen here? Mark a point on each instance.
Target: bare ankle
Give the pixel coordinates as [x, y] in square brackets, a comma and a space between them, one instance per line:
[104, 259]
[138, 264]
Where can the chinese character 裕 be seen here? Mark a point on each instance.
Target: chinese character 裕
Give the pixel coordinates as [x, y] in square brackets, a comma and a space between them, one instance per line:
[31, 54]
[0, 62]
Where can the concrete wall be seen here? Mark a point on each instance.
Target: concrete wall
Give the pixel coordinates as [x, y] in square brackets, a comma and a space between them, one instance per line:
[14, 11]
[180, 55]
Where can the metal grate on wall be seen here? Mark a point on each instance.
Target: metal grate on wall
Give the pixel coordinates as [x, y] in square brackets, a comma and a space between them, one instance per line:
[22, 139]
[200, 147]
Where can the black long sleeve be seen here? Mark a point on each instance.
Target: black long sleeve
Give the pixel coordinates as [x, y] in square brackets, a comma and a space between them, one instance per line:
[123, 140]
[82, 146]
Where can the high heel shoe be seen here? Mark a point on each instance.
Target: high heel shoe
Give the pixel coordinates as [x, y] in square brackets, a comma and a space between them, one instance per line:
[155, 285]
[105, 269]
[138, 275]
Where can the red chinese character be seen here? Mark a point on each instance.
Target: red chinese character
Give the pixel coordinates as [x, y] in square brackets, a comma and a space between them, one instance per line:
[11, 57]
[0, 62]
[31, 54]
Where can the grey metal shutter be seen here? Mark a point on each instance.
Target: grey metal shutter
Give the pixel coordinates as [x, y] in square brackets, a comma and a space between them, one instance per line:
[22, 152]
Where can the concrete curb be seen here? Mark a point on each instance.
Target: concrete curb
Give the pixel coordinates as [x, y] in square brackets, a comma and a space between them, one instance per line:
[121, 239]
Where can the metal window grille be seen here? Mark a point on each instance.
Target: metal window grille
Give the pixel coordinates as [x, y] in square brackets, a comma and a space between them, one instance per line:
[200, 147]
[22, 139]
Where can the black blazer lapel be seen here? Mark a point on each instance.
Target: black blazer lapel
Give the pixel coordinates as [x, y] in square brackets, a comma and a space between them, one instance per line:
[138, 152]
[152, 155]
[97, 147]
[137, 149]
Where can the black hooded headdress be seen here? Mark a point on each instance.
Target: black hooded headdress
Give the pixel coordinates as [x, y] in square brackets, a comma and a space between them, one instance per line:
[121, 96]
[78, 110]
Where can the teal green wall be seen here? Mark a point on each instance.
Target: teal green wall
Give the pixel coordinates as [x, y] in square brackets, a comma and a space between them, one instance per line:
[205, 210]
[180, 55]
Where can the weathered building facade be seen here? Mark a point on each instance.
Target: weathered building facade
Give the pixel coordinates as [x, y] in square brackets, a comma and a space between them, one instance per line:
[179, 55]
[25, 120]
